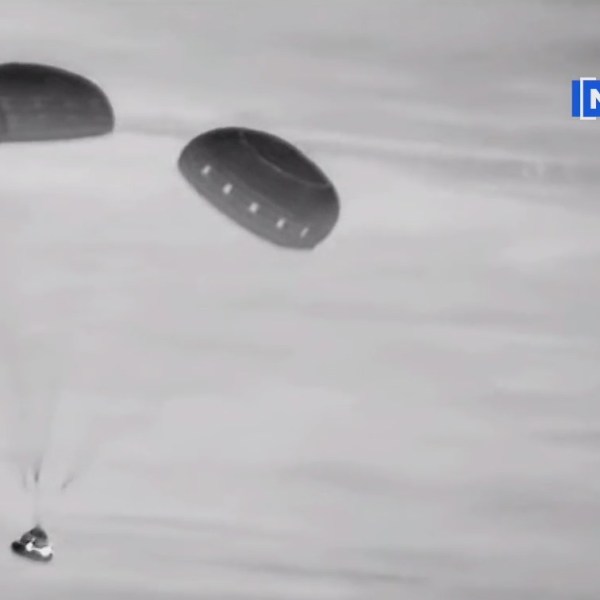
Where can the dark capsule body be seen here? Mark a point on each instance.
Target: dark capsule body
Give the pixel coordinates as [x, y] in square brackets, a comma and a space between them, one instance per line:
[20, 549]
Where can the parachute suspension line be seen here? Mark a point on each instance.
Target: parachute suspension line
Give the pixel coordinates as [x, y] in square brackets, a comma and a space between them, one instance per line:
[21, 459]
[72, 476]
[75, 474]
[66, 484]
[88, 455]
[36, 499]
[32, 460]
[75, 471]
[22, 465]
[37, 471]
[24, 473]
[38, 463]
[79, 467]
[37, 508]
[37, 467]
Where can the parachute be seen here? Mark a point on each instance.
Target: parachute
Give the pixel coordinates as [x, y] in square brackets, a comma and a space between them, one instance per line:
[38, 103]
[264, 184]
[45, 103]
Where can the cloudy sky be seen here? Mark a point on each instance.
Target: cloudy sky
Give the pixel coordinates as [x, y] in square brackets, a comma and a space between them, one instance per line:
[410, 411]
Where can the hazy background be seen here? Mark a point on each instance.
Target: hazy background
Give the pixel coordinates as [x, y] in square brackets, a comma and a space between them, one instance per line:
[411, 410]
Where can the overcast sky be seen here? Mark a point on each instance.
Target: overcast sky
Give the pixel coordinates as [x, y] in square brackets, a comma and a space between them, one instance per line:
[408, 411]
